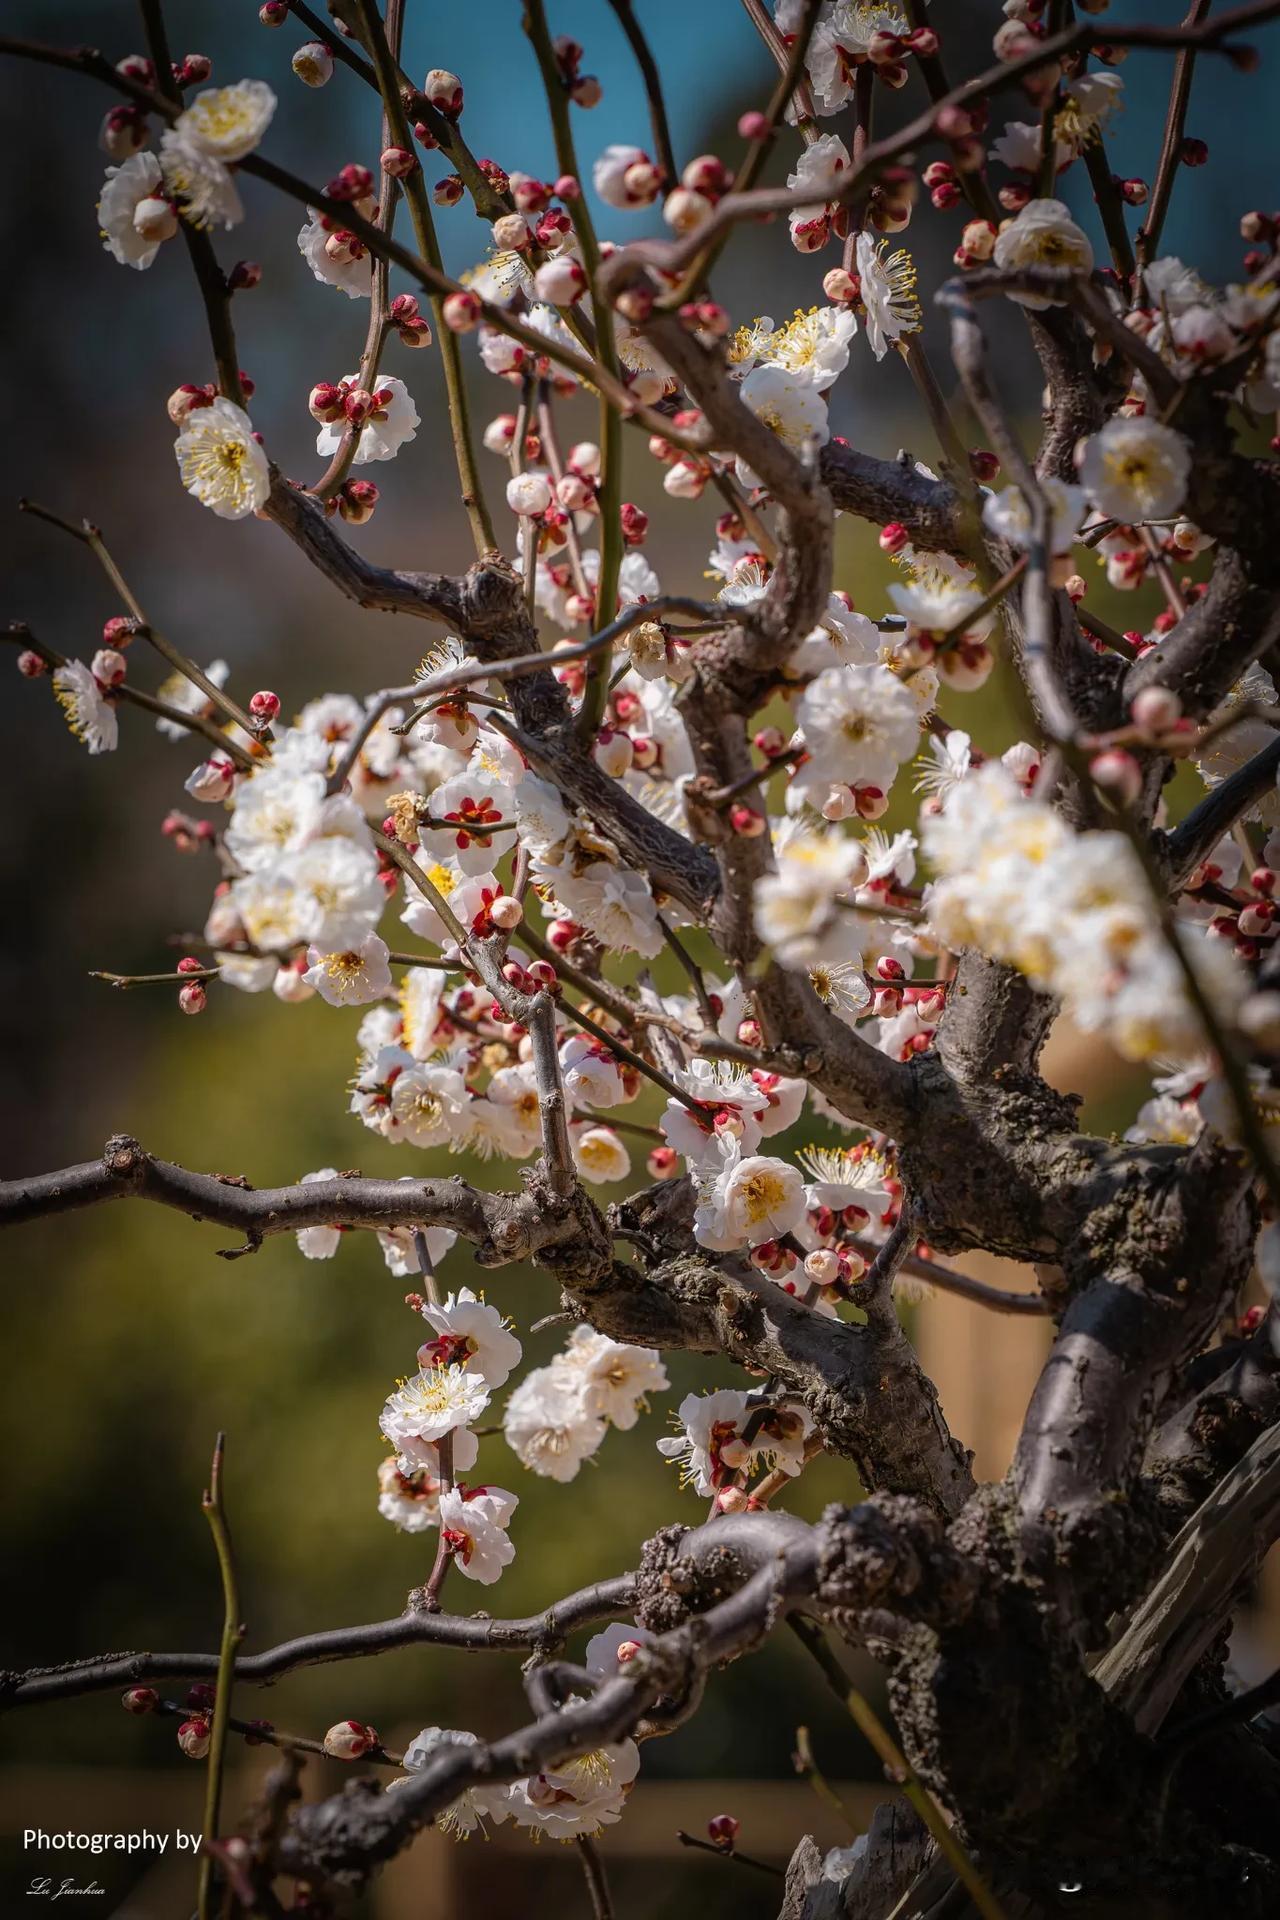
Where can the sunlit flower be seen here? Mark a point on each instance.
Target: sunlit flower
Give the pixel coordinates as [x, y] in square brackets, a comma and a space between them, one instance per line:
[888, 293]
[222, 462]
[89, 714]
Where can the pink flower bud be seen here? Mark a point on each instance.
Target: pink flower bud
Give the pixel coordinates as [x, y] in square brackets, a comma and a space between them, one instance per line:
[542, 974]
[983, 465]
[567, 187]
[212, 781]
[264, 707]
[1193, 153]
[194, 70]
[884, 48]
[194, 1734]
[841, 286]
[273, 13]
[753, 125]
[449, 191]
[244, 276]
[108, 667]
[747, 822]
[1013, 197]
[444, 90]
[30, 665]
[946, 196]
[185, 399]
[723, 1831]
[635, 524]
[1119, 773]
[313, 64]
[750, 1033]
[642, 181]
[612, 752]
[461, 311]
[707, 175]
[1134, 192]
[1263, 880]
[529, 494]
[770, 741]
[894, 537]
[135, 66]
[357, 501]
[923, 42]
[561, 935]
[683, 210]
[192, 999]
[937, 172]
[140, 1700]
[1156, 709]
[123, 132]
[823, 1266]
[1257, 226]
[398, 162]
[887, 968]
[663, 1163]
[349, 1740]
[560, 281]
[511, 233]
[506, 912]
[705, 316]
[586, 91]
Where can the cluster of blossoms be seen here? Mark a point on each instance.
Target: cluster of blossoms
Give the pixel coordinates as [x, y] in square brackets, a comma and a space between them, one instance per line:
[422, 802]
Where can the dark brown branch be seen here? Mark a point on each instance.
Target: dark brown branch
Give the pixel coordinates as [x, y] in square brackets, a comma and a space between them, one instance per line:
[542, 1633]
[1187, 844]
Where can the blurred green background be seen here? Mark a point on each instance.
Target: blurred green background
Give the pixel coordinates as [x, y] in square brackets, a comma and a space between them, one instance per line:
[129, 1342]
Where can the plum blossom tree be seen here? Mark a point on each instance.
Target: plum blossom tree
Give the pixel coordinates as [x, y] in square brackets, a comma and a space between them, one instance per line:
[594, 768]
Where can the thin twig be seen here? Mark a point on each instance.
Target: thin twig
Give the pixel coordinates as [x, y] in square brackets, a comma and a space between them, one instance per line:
[232, 1634]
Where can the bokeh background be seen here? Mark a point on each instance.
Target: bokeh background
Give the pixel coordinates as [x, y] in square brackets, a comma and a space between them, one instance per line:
[129, 1343]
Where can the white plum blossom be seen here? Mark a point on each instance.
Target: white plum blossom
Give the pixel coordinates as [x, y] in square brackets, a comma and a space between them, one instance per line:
[471, 1334]
[887, 291]
[470, 1811]
[319, 1243]
[859, 724]
[580, 1796]
[549, 1426]
[228, 122]
[599, 1155]
[713, 1446]
[473, 1523]
[746, 1200]
[590, 1072]
[351, 977]
[127, 187]
[841, 41]
[221, 460]
[1136, 469]
[203, 185]
[789, 405]
[352, 275]
[797, 907]
[429, 1105]
[436, 1401]
[1043, 235]
[1008, 516]
[410, 1501]
[614, 1378]
[392, 422]
[822, 166]
[88, 712]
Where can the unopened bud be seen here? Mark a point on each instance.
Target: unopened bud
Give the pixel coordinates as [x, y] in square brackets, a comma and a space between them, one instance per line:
[840, 285]
[663, 1163]
[747, 822]
[357, 500]
[140, 1700]
[194, 1735]
[983, 465]
[586, 91]
[612, 752]
[461, 311]
[108, 667]
[264, 707]
[894, 537]
[1156, 709]
[444, 90]
[349, 1740]
[1193, 153]
[1119, 773]
[723, 1830]
[30, 665]
[192, 998]
[313, 64]
[185, 399]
